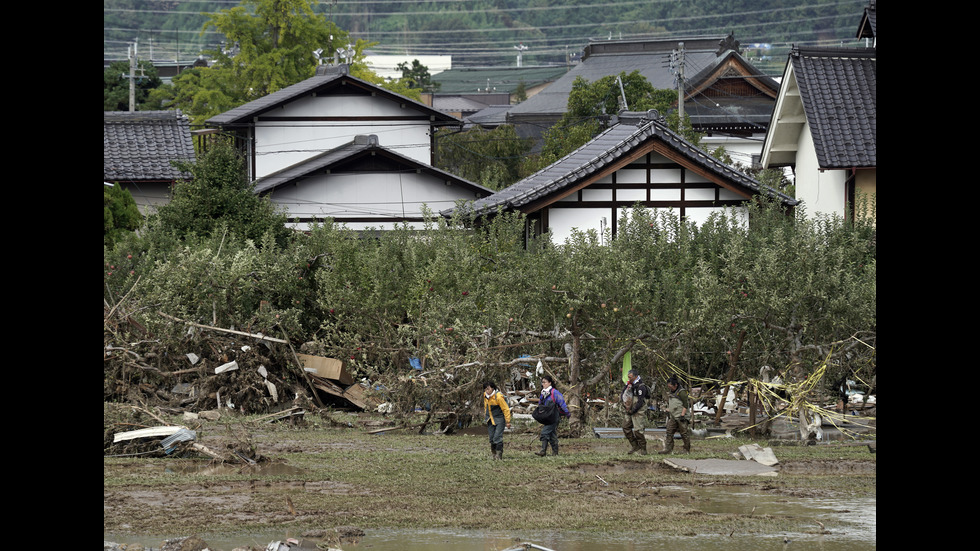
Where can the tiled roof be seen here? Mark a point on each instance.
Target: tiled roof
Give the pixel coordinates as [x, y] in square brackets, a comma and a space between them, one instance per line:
[451, 104]
[633, 130]
[316, 84]
[606, 58]
[140, 145]
[838, 89]
[491, 116]
[712, 105]
[502, 79]
[360, 145]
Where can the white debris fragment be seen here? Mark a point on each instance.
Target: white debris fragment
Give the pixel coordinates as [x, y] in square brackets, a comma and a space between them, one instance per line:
[230, 366]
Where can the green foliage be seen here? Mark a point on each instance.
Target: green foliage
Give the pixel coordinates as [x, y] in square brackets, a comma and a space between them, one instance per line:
[492, 158]
[795, 294]
[417, 75]
[172, 26]
[115, 89]
[589, 104]
[520, 93]
[398, 86]
[604, 96]
[217, 198]
[119, 214]
[269, 45]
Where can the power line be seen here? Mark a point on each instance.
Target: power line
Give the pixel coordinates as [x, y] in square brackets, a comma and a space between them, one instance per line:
[393, 41]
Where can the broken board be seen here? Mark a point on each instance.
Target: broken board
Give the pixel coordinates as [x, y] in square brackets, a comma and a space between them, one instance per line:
[328, 368]
[721, 467]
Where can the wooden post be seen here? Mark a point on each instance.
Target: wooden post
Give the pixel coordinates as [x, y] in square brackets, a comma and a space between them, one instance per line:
[732, 363]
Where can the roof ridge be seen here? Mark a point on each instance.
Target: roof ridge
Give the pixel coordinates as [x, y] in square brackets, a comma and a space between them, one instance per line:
[836, 51]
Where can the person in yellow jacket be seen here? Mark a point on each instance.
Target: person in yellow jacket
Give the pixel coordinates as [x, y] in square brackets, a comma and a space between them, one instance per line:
[498, 416]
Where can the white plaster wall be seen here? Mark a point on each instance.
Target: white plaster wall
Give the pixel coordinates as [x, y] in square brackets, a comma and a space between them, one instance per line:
[278, 147]
[386, 66]
[148, 196]
[386, 195]
[700, 215]
[739, 149]
[561, 222]
[282, 144]
[822, 193]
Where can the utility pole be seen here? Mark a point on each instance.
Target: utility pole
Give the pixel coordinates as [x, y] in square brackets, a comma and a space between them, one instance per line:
[622, 98]
[132, 78]
[680, 83]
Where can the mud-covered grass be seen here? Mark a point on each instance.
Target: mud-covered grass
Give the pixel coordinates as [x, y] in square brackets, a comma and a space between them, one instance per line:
[322, 476]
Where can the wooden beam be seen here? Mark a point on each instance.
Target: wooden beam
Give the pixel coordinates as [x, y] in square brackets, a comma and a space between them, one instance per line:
[586, 182]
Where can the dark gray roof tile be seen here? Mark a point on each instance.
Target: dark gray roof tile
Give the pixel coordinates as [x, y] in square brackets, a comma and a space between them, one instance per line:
[315, 84]
[838, 89]
[140, 145]
[618, 141]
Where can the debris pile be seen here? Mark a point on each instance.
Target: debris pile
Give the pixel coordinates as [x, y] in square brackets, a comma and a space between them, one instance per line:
[209, 368]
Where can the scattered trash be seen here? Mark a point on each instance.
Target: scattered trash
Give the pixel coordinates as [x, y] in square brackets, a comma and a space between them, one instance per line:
[183, 388]
[230, 366]
[731, 401]
[291, 414]
[757, 453]
[326, 368]
[526, 546]
[272, 391]
[721, 467]
[182, 435]
[150, 432]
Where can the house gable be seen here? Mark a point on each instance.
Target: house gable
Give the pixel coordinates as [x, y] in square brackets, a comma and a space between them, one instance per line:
[730, 97]
[825, 126]
[709, 99]
[323, 113]
[832, 92]
[635, 162]
[364, 185]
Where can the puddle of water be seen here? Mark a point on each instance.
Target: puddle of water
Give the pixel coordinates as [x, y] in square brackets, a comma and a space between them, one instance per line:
[452, 540]
[858, 530]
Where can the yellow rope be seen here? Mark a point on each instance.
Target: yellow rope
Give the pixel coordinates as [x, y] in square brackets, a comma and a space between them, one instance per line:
[769, 395]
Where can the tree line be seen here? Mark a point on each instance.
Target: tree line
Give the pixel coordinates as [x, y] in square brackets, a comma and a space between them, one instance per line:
[470, 298]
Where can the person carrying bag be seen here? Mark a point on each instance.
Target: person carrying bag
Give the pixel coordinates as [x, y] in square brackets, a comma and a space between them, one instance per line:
[551, 407]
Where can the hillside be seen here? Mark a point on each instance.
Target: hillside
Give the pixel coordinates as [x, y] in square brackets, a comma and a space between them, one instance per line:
[488, 32]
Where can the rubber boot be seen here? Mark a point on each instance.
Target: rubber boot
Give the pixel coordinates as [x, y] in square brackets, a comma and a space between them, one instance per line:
[544, 449]
[500, 450]
[668, 444]
[686, 437]
[493, 450]
[632, 441]
[641, 443]
[554, 449]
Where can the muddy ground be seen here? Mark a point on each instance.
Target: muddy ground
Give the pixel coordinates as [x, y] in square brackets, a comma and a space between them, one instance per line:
[332, 473]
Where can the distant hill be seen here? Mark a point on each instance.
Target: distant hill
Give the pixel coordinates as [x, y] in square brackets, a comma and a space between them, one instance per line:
[489, 32]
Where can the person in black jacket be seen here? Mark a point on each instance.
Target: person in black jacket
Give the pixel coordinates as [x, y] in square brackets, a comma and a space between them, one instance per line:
[634, 406]
[549, 432]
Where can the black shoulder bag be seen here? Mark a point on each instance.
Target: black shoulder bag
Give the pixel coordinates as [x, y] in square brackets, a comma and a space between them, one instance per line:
[546, 414]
